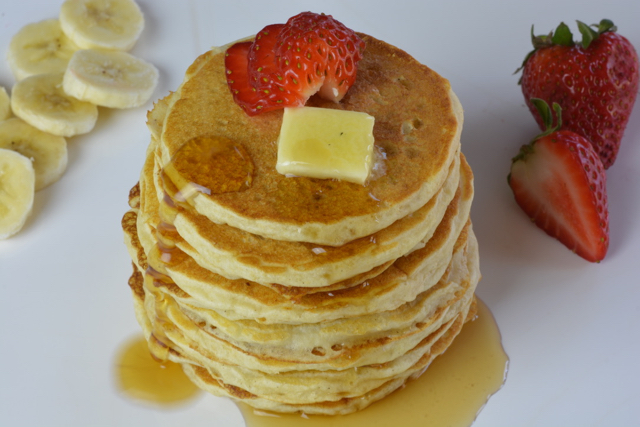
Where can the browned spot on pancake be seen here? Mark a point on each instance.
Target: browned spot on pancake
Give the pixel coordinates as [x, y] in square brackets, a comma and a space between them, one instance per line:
[134, 196]
[135, 283]
[129, 226]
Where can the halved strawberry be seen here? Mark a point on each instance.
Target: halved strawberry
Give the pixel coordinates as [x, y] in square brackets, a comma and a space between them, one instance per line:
[319, 54]
[560, 183]
[266, 77]
[287, 63]
[235, 62]
[252, 97]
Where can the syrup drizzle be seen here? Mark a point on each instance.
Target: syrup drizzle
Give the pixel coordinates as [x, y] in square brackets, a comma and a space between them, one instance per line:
[222, 167]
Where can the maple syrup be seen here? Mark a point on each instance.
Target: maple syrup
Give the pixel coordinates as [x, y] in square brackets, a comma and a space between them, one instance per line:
[216, 166]
[143, 378]
[209, 165]
[163, 254]
[450, 392]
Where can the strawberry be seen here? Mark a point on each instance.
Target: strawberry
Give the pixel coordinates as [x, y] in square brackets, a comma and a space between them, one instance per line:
[319, 54]
[288, 63]
[252, 74]
[595, 82]
[236, 63]
[560, 183]
[264, 73]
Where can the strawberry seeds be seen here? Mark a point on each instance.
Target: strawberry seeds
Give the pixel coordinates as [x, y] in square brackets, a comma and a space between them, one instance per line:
[288, 63]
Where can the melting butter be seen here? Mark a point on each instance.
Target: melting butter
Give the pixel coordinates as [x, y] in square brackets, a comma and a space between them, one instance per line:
[326, 143]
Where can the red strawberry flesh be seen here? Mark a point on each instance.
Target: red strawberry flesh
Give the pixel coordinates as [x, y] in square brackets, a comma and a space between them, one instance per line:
[322, 53]
[560, 183]
[288, 63]
[236, 63]
[265, 75]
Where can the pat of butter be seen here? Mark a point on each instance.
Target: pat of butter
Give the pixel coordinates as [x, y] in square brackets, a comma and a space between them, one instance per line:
[326, 143]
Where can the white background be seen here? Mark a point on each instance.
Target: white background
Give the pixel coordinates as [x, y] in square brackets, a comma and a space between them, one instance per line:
[569, 327]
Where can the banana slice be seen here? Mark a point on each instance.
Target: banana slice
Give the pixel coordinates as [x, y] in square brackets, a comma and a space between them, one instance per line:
[5, 104]
[110, 78]
[107, 24]
[17, 180]
[48, 152]
[39, 48]
[40, 101]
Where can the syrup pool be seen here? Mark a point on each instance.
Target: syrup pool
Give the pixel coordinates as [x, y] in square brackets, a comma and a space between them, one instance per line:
[142, 378]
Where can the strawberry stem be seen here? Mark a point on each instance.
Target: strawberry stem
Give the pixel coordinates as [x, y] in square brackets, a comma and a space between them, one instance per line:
[588, 34]
[547, 117]
[563, 37]
[606, 25]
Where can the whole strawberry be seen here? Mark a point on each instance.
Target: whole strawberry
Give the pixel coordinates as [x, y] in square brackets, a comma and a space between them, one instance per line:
[560, 183]
[595, 82]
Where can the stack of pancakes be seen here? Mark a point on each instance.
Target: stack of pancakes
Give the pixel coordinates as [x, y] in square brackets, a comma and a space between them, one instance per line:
[296, 294]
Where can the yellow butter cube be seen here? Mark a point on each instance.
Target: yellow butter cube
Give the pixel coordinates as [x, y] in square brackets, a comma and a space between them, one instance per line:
[326, 143]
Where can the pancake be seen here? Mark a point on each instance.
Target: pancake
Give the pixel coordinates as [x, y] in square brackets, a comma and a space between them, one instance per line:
[340, 344]
[241, 298]
[347, 333]
[345, 405]
[234, 253]
[419, 138]
[308, 386]
[439, 341]
[297, 294]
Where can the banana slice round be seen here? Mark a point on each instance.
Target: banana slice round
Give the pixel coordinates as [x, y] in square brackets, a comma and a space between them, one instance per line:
[110, 78]
[17, 180]
[5, 104]
[39, 48]
[41, 101]
[107, 24]
[48, 152]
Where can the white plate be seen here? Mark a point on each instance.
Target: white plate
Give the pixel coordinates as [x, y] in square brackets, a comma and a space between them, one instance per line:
[570, 327]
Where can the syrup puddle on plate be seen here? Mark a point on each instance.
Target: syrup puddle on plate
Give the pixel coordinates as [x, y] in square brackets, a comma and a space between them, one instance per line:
[140, 377]
[451, 392]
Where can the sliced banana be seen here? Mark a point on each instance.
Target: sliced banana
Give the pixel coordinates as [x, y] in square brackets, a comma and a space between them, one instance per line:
[110, 78]
[48, 152]
[40, 101]
[107, 24]
[17, 187]
[39, 48]
[5, 104]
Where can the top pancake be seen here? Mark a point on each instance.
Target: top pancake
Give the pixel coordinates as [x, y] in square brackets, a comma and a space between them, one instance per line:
[417, 134]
